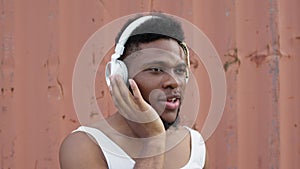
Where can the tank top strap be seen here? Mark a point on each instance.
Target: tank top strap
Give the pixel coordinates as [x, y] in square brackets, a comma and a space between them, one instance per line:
[198, 150]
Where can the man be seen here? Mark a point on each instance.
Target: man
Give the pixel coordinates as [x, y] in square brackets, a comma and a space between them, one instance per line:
[145, 132]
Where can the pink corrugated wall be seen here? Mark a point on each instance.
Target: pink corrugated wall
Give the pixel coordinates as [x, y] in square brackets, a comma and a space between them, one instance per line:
[258, 41]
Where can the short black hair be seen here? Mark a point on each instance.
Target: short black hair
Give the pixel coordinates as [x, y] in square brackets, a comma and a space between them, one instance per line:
[160, 27]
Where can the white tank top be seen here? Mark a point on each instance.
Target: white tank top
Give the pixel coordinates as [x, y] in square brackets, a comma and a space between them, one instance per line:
[122, 160]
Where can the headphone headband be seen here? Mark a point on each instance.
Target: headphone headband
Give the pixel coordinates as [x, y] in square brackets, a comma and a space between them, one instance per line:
[119, 49]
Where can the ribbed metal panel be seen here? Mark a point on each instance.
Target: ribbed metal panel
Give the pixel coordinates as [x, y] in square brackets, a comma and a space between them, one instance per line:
[258, 42]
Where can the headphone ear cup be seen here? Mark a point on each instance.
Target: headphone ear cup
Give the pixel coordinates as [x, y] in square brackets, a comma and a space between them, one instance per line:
[119, 69]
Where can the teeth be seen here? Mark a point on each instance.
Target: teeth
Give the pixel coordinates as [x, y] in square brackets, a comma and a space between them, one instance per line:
[172, 100]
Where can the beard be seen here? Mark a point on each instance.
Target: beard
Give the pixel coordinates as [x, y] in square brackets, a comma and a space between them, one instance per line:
[167, 125]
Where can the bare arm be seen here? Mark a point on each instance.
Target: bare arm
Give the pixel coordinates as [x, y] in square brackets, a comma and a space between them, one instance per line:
[79, 151]
[153, 151]
[144, 122]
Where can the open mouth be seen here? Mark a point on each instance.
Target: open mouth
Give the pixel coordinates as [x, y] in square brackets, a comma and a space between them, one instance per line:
[172, 103]
[173, 100]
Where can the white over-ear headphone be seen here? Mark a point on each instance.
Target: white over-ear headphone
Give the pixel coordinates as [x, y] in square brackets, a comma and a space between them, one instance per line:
[116, 66]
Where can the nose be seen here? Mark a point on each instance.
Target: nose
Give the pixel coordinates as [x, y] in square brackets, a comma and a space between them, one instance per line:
[169, 81]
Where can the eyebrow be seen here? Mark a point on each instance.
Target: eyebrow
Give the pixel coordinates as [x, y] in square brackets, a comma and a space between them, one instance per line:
[165, 64]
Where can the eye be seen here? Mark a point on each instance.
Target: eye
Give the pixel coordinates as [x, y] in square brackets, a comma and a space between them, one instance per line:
[180, 71]
[155, 70]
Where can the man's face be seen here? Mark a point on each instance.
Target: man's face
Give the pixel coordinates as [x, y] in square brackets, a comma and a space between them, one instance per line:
[159, 69]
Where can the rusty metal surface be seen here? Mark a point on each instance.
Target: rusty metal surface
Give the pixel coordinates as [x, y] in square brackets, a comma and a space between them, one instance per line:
[259, 45]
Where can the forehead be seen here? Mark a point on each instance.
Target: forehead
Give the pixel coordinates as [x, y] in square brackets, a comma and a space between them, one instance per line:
[164, 50]
[164, 44]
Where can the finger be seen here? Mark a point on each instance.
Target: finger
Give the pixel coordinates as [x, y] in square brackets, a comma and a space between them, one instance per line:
[126, 108]
[136, 105]
[138, 96]
[135, 90]
[124, 91]
[117, 97]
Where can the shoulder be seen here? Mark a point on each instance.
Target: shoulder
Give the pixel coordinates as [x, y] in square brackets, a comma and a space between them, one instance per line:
[78, 150]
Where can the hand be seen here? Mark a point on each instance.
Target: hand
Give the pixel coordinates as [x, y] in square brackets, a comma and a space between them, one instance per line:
[141, 117]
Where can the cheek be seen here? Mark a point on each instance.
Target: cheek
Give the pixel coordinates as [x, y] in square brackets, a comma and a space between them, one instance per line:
[145, 92]
[146, 79]
[141, 85]
[147, 87]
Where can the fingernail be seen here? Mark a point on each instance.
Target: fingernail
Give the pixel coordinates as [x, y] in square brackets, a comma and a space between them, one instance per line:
[112, 78]
[130, 82]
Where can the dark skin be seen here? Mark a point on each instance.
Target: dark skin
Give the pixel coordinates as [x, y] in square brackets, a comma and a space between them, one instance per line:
[145, 109]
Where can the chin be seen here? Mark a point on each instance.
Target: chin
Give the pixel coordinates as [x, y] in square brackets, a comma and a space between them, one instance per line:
[169, 117]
